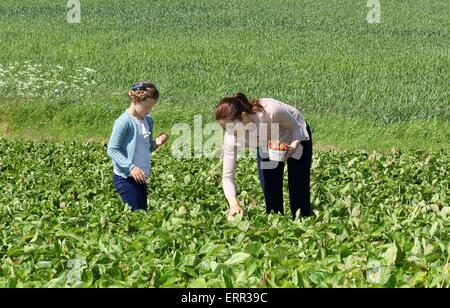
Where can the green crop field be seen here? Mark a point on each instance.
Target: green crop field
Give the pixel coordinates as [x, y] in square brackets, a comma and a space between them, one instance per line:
[377, 97]
[386, 208]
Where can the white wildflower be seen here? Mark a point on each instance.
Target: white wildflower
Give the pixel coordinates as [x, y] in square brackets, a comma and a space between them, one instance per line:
[89, 70]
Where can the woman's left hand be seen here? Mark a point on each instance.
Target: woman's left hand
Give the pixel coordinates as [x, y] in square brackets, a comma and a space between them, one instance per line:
[292, 148]
[161, 139]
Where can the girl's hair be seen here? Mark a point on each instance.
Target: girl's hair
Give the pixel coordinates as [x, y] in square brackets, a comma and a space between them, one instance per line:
[231, 108]
[143, 90]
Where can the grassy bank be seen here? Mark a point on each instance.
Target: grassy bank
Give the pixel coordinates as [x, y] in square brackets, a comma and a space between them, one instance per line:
[93, 121]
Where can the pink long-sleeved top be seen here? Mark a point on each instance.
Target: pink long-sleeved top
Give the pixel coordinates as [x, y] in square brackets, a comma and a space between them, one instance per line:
[278, 121]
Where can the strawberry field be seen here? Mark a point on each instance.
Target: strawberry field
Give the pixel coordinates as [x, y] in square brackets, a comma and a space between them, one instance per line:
[380, 220]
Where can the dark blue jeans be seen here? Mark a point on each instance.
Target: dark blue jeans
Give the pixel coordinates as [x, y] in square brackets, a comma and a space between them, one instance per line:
[299, 176]
[131, 192]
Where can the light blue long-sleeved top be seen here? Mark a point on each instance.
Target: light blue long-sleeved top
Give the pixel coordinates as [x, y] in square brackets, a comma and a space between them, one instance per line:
[122, 144]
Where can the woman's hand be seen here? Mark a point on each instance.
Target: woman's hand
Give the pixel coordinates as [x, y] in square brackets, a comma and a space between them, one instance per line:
[138, 175]
[234, 209]
[292, 148]
[161, 139]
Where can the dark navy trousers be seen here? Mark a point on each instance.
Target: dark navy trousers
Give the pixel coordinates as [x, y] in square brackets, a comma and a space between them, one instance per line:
[131, 192]
[299, 176]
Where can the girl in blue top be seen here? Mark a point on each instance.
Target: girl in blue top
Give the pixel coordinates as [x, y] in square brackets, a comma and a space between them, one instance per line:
[131, 145]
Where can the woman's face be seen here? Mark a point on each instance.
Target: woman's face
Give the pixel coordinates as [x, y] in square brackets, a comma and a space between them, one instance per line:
[245, 119]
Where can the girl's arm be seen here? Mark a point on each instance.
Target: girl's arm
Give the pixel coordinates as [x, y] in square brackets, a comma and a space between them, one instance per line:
[114, 146]
[153, 145]
[160, 140]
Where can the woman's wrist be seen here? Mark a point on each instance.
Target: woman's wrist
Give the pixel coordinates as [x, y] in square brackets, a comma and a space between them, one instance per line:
[234, 203]
[234, 209]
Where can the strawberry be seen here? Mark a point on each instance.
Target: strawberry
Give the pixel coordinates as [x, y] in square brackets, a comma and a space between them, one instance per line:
[277, 145]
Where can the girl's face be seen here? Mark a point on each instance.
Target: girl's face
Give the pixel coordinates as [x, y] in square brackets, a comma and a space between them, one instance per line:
[145, 107]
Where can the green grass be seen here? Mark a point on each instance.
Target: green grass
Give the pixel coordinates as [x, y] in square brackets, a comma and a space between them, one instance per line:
[93, 121]
[360, 85]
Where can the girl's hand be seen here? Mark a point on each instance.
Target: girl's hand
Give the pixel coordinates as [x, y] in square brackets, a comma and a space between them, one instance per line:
[234, 209]
[292, 148]
[162, 139]
[138, 175]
